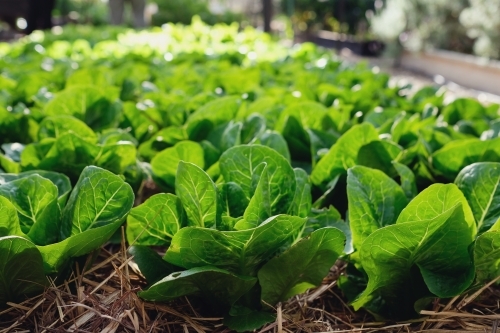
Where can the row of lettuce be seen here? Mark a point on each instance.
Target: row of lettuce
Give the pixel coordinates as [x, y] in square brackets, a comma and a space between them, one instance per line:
[272, 165]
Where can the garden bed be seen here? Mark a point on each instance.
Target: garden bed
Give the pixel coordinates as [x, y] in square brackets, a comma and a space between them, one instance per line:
[208, 179]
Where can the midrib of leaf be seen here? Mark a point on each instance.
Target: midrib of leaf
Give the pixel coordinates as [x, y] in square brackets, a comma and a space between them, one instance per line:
[197, 201]
[488, 205]
[100, 212]
[243, 255]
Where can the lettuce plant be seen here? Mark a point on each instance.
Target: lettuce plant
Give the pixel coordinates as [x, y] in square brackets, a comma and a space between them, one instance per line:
[234, 243]
[40, 233]
[414, 251]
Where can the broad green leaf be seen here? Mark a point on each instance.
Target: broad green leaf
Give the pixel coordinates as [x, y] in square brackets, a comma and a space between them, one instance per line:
[35, 199]
[309, 115]
[21, 270]
[55, 126]
[301, 267]
[55, 256]
[217, 286]
[231, 136]
[232, 199]
[434, 200]
[275, 141]
[456, 155]
[407, 180]
[212, 114]
[99, 198]
[61, 181]
[160, 141]
[9, 221]
[93, 105]
[116, 157]
[155, 221]
[480, 183]
[164, 164]
[239, 164]
[151, 264]
[142, 126]
[343, 154]
[379, 155]
[409, 262]
[247, 320]
[241, 252]
[302, 200]
[259, 208]
[114, 136]
[463, 108]
[329, 217]
[297, 138]
[253, 127]
[70, 154]
[210, 153]
[375, 201]
[487, 255]
[198, 195]
[9, 165]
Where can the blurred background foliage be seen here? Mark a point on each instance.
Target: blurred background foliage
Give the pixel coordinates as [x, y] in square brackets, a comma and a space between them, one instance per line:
[467, 26]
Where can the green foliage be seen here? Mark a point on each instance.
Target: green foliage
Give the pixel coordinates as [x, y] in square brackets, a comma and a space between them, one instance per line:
[41, 234]
[274, 165]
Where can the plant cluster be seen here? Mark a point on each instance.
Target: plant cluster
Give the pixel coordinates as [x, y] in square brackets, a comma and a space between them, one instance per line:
[273, 164]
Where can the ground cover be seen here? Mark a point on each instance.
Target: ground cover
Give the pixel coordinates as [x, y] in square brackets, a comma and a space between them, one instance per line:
[259, 173]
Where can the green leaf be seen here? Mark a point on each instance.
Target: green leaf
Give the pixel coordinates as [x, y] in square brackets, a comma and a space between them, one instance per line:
[375, 201]
[155, 221]
[247, 320]
[217, 286]
[9, 221]
[487, 254]
[93, 105]
[9, 165]
[239, 164]
[55, 126]
[35, 199]
[437, 199]
[275, 141]
[198, 195]
[343, 154]
[99, 198]
[165, 163]
[21, 270]
[430, 255]
[301, 267]
[407, 179]
[456, 155]
[302, 200]
[480, 183]
[61, 181]
[212, 114]
[160, 141]
[253, 127]
[463, 108]
[150, 263]
[259, 208]
[379, 155]
[232, 199]
[55, 256]
[231, 136]
[241, 252]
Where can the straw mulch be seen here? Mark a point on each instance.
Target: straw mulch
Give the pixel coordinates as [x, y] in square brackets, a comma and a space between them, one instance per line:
[103, 299]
